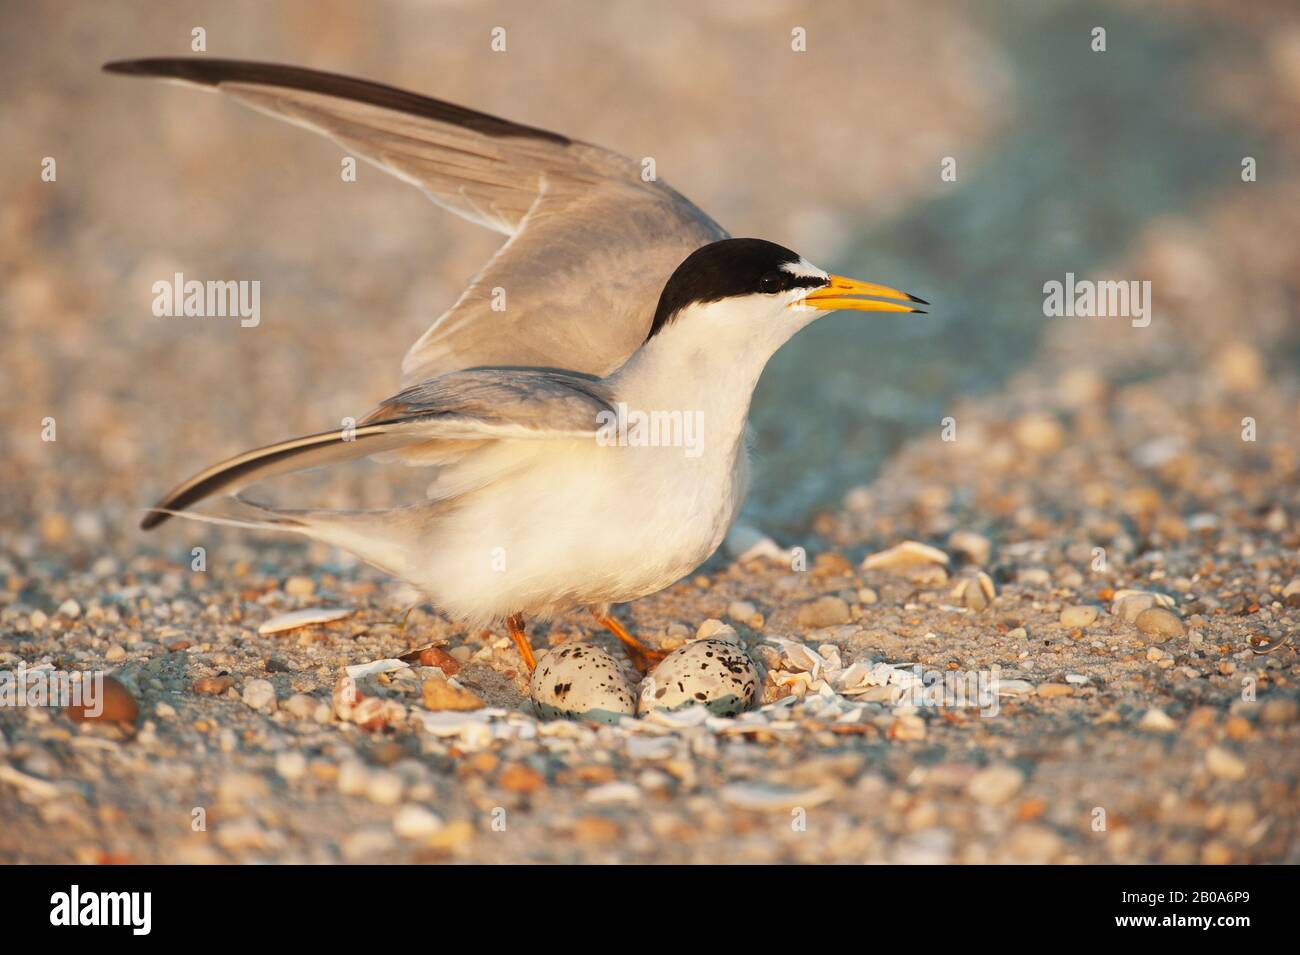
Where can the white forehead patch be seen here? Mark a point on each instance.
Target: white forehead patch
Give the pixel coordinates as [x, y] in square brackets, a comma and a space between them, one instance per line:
[804, 269]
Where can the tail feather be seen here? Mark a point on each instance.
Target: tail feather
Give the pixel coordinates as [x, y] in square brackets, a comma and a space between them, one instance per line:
[387, 538]
[267, 524]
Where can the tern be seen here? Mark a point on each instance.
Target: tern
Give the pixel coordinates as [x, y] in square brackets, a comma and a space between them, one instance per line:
[623, 302]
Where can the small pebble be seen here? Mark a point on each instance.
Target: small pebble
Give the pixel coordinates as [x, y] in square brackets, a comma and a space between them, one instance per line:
[353, 778]
[1238, 727]
[597, 829]
[995, 785]
[717, 630]
[1036, 844]
[1223, 764]
[614, 792]
[1159, 624]
[300, 586]
[1128, 608]
[213, 685]
[241, 834]
[416, 822]
[115, 705]
[260, 695]
[1034, 577]
[440, 658]
[1128, 604]
[518, 778]
[741, 611]
[906, 728]
[1278, 711]
[1078, 616]
[1039, 432]
[1215, 852]
[367, 843]
[239, 788]
[300, 706]
[385, 788]
[441, 694]
[1157, 721]
[827, 611]
[291, 766]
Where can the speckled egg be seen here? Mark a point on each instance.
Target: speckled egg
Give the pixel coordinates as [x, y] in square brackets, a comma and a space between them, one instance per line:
[714, 673]
[581, 681]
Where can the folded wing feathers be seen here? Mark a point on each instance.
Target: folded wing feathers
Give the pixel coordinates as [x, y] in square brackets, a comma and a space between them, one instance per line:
[503, 403]
[284, 457]
[472, 406]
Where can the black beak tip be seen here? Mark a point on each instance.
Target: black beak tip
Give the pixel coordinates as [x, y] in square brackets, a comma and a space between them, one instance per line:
[918, 301]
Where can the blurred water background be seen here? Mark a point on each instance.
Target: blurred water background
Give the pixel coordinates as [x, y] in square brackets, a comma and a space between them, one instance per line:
[1090, 156]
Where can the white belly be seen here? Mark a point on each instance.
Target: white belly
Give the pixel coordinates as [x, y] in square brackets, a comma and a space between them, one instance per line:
[578, 523]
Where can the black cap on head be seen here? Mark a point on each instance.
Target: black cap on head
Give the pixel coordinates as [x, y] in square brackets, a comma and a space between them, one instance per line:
[727, 268]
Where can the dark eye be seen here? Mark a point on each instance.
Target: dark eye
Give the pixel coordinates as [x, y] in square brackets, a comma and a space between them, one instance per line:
[771, 283]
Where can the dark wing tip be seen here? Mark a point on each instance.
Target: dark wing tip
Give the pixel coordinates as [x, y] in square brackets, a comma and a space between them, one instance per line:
[153, 66]
[212, 71]
[152, 519]
[205, 72]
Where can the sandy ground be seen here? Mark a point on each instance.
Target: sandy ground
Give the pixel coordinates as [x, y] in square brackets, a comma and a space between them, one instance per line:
[1161, 459]
[1108, 743]
[1111, 741]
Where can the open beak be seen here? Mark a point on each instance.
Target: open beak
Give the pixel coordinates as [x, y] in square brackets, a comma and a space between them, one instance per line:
[847, 293]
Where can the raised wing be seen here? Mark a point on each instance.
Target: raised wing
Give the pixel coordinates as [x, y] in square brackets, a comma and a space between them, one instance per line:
[591, 244]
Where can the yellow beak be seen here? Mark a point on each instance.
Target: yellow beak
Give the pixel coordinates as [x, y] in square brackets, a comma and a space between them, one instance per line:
[844, 293]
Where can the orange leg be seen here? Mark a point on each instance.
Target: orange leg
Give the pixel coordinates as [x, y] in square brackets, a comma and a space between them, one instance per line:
[515, 625]
[642, 657]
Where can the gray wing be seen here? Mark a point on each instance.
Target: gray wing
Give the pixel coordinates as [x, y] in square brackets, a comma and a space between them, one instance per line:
[591, 244]
[527, 402]
[442, 421]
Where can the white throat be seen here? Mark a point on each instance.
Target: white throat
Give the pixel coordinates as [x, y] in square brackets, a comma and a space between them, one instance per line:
[709, 358]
